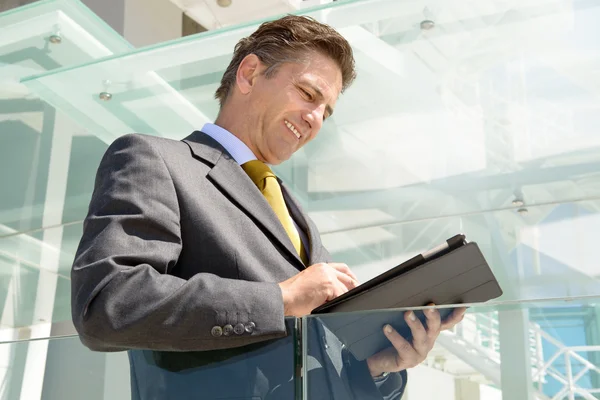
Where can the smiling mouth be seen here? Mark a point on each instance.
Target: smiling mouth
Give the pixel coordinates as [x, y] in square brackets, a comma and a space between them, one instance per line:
[292, 128]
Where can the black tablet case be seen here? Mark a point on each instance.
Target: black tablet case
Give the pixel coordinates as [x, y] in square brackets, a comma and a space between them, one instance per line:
[460, 276]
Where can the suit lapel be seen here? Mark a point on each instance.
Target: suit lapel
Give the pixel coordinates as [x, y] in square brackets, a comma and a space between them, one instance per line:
[231, 179]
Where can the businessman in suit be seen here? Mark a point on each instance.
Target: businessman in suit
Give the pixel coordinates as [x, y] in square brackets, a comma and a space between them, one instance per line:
[193, 252]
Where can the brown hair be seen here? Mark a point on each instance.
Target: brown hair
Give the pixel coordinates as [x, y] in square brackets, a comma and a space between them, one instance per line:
[287, 40]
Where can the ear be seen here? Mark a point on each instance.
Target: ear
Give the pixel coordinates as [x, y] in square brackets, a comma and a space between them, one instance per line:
[247, 72]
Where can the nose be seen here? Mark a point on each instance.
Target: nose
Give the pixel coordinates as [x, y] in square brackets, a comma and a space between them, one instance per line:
[314, 117]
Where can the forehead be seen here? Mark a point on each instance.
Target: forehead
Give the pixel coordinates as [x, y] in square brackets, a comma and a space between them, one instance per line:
[320, 71]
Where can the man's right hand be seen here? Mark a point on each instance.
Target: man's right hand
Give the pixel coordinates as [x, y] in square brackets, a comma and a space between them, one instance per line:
[314, 286]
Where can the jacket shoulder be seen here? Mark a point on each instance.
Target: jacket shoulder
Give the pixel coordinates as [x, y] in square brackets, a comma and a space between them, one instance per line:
[139, 145]
[141, 139]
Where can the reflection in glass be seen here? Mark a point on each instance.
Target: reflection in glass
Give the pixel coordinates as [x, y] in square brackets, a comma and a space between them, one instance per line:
[266, 370]
[522, 350]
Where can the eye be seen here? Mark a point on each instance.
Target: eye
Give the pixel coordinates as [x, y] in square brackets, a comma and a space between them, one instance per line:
[306, 94]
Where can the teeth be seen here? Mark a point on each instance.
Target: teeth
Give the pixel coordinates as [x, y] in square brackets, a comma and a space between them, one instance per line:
[291, 128]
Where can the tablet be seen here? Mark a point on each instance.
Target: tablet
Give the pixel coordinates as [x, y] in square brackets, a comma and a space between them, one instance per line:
[454, 272]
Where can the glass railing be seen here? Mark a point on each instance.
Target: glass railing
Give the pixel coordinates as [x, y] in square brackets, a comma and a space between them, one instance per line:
[519, 350]
[523, 350]
[266, 370]
[61, 368]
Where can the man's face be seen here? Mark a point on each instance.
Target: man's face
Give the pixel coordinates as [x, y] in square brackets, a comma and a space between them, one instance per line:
[288, 109]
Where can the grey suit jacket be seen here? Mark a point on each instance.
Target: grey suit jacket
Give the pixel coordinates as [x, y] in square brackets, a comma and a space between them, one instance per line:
[177, 241]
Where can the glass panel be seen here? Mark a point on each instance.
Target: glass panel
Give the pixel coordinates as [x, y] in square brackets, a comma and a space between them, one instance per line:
[475, 117]
[35, 289]
[548, 252]
[458, 107]
[518, 350]
[266, 370]
[62, 369]
[47, 162]
[48, 168]
[50, 34]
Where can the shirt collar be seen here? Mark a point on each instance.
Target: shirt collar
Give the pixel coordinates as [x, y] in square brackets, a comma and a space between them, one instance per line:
[238, 149]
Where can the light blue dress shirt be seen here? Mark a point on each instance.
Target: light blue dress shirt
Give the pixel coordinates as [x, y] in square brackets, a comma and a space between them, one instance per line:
[238, 149]
[242, 154]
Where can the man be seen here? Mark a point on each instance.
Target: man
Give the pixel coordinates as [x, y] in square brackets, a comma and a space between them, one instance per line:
[193, 252]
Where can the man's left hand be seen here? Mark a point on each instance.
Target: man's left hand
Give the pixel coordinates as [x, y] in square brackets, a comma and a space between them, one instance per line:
[404, 354]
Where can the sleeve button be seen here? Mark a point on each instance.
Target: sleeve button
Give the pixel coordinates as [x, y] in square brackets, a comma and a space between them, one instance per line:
[227, 330]
[216, 331]
[239, 329]
[250, 327]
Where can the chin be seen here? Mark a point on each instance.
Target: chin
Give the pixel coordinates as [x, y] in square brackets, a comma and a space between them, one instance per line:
[285, 158]
[278, 159]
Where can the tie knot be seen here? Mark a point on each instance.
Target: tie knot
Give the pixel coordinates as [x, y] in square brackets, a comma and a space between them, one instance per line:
[258, 171]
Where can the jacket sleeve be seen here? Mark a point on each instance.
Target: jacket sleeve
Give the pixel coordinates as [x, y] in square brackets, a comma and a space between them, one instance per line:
[393, 386]
[363, 386]
[123, 296]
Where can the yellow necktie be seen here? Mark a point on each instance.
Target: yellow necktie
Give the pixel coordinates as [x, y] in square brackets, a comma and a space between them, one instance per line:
[267, 183]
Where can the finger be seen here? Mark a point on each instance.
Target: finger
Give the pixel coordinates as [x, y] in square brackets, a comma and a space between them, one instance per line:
[420, 342]
[407, 356]
[434, 322]
[337, 270]
[346, 280]
[454, 318]
[341, 267]
[344, 269]
[338, 289]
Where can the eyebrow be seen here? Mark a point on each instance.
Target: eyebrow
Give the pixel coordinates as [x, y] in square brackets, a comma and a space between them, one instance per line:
[320, 94]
